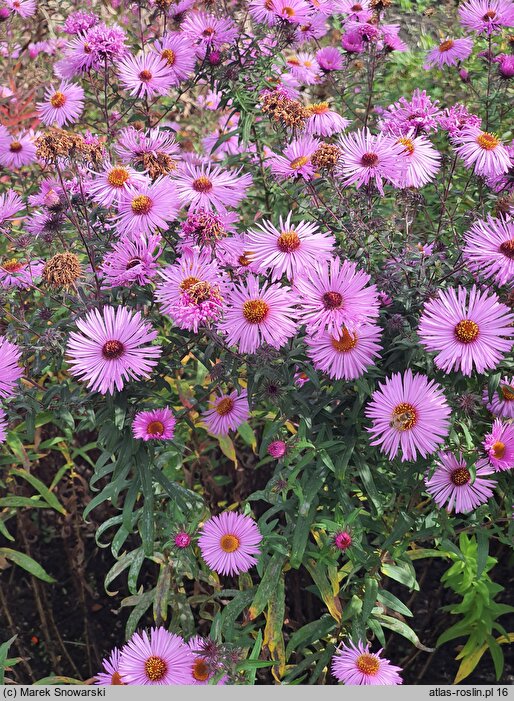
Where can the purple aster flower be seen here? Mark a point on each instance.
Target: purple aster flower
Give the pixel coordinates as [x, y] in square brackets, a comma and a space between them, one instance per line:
[506, 66]
[229, 543]
[204, 667]
[3, 425]
[192, 291]
[134, 145]
[502, 402]
[156, 424]
[336, 295]
[457, 118]
[449, 53]
[486, 15]
[352, 42]
[23, 8]
[20, 274]
[295, 161]
[17, 151]
[422, 161]
[355, 665]
[288, 250]
[106, 43]
[107, 186]
[159, 658]
[257, 314]
[466, 333]
[342, 540]
[346, 356]
[177, 50]
[499, 445]
[228, 412]
[133, 260]
[369, 158]
[357, 10]
[208, 32]
[61, 106]
[79, 22]
[483, 151]
[110, 676]
[420, 113]
[146, 75]
[304, 67]
[292, 11]
[453, 485]
[323, 121]
[10, 204]
[489, 249]
[210, 187]
[505, 181]
[147, 206]
[111, 347]
[410, 413]
[10, 369]
[277, 449]
[391, 40]
[329, 59]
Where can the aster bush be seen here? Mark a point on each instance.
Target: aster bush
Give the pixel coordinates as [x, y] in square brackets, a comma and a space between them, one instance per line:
[256, 339]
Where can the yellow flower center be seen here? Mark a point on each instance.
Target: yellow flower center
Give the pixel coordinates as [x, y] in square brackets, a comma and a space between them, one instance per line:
[186, 284]
[404, 417]
[15, 147]
[466, 331]
[368, 664]
[141, 204]
[12, 266]
[155, 668]
[288, 241]
[58, 99]
[117, 177]
[255, 310]
[488, 141]
[155, 428]
[169, 56]
[319, 108]
[446, 45]
[299, 162]
[407, 143]
[507, 393]
[460, 476]
[289, 11]
[498, 450]
[202, 184]
[346, 343]
[229, 543]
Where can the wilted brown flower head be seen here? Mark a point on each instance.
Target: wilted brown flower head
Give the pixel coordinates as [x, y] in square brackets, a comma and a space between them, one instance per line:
[62, 270]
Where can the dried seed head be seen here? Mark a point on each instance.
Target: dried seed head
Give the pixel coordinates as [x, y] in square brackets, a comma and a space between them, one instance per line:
[62, 270]
[326, 157]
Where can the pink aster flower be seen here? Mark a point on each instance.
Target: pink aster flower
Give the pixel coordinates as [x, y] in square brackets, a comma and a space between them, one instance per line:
[262, 12]
[20, 274]
[335, 296]
[10, 204]
[489, 249]
[292, 11]
[133, 145]
[159, 658]
[323, 121]
[228, 412]
[369, 158]
[204, 666]
[79, 22]
[483, 151]
[111, 347]
[295, 161]
[61, 106]
[157, 424]
[304, 67]
[502, 402]
[420, 113]
[107, 186]
[17, 151]
[421, 159]
[257, 314]
[23, 8]
[182, 540]
[290, 249]
[457, 118]
[466, 333]
[505, 181]
[277, 449]
[357, 10]
[78, 58]
[355, 665]
[453, 485]
[342, 540]
[210, 187]
[177, 50]
[449, 53]
[110, 676]
[499, 445]
[147, 206]
[229, 543]
[506, 66]
[146, 75]
[390, 40]
[192, 290]
[10, 370]
[329, 59]
[486, 15]
[352, 42]
[208, 32]
[133, 260]
[410, 413]
[346, 356]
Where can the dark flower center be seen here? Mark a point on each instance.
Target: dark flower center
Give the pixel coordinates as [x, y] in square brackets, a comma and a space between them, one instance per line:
[15, 147]
[201, 670]
[460, 476]
[507, 393]
[446, 45]
[112, 350]
[369, 160]
[404, 417]
[507, 248]
[155, 428]
[225, 406]
[58, 99]
[202, 184]
[133, 263]
[332, 300]
[145, 76]
[489, 15]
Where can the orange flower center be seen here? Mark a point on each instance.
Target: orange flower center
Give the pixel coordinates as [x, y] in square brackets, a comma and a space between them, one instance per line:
[225, 406]
[202, 184]
[208, 32]
[112, 350]
[369, 160]
[404, 417]
[141, 204]
[466, 331]
[289, 11]
[332, 300]
[498, 449]
[460, 476]
[186, 284]
[268, 4]
[346, 343]
[487, 141]
[288, 241]
[407, 143]
[118, 176]
[244, 260]
[489, 15]
[155, 428]
[15, 146]
[507, 393]
[169, 56]
[299, 162]
[116, 680]
[255, 310]
[200, 670]
[12, 266]
[293, 61]
[155, 668]
[229, 543]
[58, 99]
[507, 248]
[145, 76]
[446, 45]
[319, 108]
[368, 664]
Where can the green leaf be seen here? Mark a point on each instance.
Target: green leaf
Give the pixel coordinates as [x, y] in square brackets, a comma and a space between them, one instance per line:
[4, 649]
[27, 563]
[254, 655]
[370, 597]
[401, 573]
[47, 495]
[56, 681]
[482, 550]
[267, 585]
[403, 629]
[21, 502]
[392, 602]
